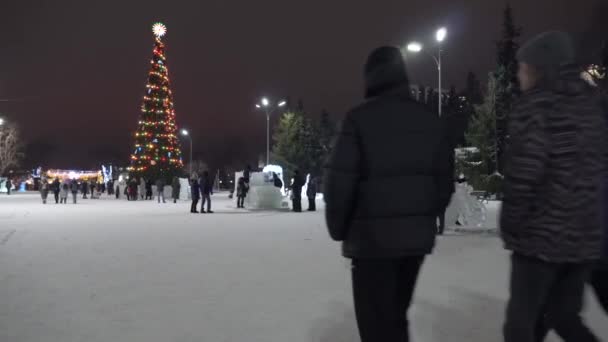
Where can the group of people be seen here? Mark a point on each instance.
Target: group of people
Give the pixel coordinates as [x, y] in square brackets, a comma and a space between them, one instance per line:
[383, 206]
[140, 188]
[296, 192]
[62, 188]
[201, 188]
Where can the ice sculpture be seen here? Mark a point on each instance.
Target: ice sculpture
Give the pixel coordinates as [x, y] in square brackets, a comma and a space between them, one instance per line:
[464, 209]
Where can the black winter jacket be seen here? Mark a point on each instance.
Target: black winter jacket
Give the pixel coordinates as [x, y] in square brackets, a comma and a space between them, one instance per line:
[390, 174]
[555, 168]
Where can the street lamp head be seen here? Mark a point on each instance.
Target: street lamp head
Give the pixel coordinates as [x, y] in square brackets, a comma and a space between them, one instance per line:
[258, 106]
[282, 103]
[414, 47]
[185, 132]
[441, 34]
[1, 121]
[265, 102]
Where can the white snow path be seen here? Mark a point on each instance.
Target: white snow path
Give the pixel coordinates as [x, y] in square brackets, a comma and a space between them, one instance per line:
[117, 271]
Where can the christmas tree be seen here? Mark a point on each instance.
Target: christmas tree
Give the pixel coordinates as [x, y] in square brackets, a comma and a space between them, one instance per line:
[157, 153]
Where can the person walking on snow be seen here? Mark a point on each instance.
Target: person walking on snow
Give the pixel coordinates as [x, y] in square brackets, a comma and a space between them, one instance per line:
[85, 189]
[9, 186]
[241, 192]
[195, 190]
[551, 211]
[296, 192]
[206, 185]
[44, 190]
[160, 189]
[149, 194]
[142, 188]
[311, 193]
[383, 206]
[175, 189]
[74, 189]
[56, 187]
[63, 195]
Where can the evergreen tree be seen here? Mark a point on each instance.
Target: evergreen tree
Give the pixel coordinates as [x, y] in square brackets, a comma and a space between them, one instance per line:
[157, 152]
[482, 132]
[297, 144]
[327, 132]
[473, 90]
[507, 86]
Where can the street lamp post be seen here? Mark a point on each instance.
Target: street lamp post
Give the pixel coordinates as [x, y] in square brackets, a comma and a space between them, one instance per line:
[187, 134]
[415, 47]
[265, 104]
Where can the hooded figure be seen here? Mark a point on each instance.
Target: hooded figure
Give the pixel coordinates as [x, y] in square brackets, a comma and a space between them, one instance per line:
[383, 205]
[554, 170]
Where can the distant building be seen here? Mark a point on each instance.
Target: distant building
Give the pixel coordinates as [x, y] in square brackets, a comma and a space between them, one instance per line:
[424, 94]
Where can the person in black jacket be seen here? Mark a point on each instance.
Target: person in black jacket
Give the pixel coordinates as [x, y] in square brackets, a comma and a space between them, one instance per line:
[9, 186]
[551, 210]
[382, 205]
[296, 191]
[206, 192]
[311, 193]
[85, 189]
[195, 190]
[56, 188]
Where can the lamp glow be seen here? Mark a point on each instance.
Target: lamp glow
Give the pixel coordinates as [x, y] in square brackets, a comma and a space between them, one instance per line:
[265, 102]
[1, 121]
[282, 103]
[159, 29]
[258, 106]
[185, 132]
[441, 34]
[414, 47]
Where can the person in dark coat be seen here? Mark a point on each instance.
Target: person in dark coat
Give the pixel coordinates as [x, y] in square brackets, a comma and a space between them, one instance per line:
[175, 189]
[196, 193]
[206, 185]
[148, 188]
[9, 186]
[382, 205]
[555, 167]
[599, 276]
[92, 187]
[74, 190]
[160, 189]
[45, 187]
[85, 189]
[56, 187]
[241, 192]
[311, 193]
[296, 191]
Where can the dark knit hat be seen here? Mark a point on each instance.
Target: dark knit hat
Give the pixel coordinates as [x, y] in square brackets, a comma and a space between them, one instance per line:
[384, 70]
[548, 50]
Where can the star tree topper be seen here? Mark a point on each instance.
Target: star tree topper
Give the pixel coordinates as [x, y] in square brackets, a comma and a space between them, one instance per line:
[159, 29]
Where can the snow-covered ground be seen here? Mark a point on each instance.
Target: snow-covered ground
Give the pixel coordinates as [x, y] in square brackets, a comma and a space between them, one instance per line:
[117, 271]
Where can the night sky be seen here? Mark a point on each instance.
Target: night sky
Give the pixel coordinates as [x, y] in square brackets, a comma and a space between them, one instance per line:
[77, 69]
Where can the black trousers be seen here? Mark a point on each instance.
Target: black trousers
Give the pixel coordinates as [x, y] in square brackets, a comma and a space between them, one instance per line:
[206, 199]
[599, 282]
[297, 204]
[312, 204]
[56, 193]
[383, 291]
[546, 296]
[194, 204]
[240, 202]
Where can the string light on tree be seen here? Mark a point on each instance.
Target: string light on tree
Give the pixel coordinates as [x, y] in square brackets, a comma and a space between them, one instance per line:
[156, 149]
